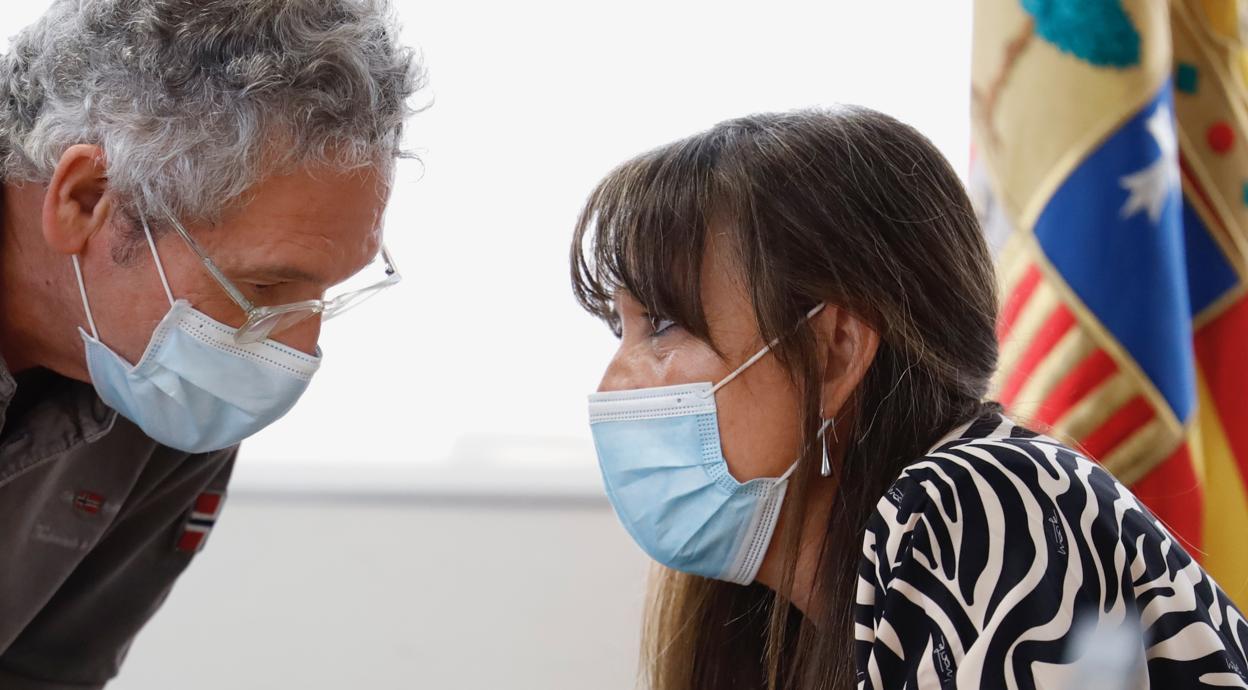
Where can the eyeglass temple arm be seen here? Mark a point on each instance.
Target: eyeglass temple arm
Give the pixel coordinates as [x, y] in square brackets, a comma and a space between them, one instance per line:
[239, 298]
[391, 268]
[225, 283]
[392, 271]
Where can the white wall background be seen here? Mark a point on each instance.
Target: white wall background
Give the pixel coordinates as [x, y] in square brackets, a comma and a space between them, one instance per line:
[430, 515]
[369, 595]
[481, 356]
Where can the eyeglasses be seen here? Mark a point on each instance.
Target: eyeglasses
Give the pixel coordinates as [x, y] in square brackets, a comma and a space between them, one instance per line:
[264, 321]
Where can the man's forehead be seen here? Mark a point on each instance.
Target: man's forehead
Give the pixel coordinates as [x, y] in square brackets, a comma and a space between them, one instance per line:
[332, 205]
[295, 248]
[312, 193]
[311, 257]
[314, 225]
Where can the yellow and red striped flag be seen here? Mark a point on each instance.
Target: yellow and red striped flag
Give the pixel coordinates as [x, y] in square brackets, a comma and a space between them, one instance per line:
[1111, 172]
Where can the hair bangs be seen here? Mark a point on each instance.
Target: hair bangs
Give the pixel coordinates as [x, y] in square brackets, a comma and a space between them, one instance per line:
[643, 231]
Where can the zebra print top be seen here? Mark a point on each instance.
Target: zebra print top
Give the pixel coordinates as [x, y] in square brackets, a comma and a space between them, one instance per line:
[999, 558]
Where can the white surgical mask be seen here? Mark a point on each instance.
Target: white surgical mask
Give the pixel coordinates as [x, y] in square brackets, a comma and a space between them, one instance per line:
[195, 389]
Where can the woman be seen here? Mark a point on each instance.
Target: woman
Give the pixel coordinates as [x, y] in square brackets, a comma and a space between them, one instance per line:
[795, 425]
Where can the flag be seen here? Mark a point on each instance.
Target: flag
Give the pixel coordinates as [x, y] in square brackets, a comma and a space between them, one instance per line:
[1110, 171]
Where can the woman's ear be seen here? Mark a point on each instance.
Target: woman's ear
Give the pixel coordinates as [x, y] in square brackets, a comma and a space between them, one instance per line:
[849, 347]
[77, 203]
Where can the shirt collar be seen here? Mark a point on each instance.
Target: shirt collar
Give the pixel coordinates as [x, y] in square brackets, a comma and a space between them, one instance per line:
[77, 415]
[992, 426]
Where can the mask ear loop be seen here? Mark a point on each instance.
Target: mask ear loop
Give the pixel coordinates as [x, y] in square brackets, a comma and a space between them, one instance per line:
[82, 290]
[82, 285]
[760, 354]
[788, 472]
[748, 363]
[151, 243]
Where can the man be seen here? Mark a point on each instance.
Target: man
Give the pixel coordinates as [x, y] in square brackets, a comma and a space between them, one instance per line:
[184, 183]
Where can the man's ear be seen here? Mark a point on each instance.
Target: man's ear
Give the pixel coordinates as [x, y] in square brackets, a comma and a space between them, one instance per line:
[77, 203]
[849, 346]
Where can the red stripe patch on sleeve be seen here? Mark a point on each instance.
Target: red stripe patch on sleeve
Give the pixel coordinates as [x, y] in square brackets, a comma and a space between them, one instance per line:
[208, 503]
[192, 539]
[200, 521]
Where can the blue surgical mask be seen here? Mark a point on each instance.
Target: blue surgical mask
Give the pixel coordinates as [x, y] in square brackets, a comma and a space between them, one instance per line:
[667, 479]
[195, 389]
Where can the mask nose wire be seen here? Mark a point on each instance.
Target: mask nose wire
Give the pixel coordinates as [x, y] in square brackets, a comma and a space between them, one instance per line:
[151, 243]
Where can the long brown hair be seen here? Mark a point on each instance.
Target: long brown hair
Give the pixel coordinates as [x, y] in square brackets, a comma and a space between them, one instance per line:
[847, 206]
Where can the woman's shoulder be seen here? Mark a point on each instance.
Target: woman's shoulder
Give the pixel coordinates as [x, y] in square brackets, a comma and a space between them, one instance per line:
[995, 502]
[997, 530]
[995, 441]
[1003, 465]
[992, 482]
[987, 483]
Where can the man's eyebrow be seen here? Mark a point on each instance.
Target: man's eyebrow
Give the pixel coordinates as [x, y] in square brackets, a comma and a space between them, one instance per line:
[283, 272]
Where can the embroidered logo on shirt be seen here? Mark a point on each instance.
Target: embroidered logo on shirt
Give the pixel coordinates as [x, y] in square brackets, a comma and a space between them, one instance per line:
[203, 516]
[88, 502]
[75, 520]
[1059, 536]
[49, 534]
[942, 660]
[1232, 666]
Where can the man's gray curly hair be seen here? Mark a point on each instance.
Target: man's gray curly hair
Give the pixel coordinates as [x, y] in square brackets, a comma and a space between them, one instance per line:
[195, 101]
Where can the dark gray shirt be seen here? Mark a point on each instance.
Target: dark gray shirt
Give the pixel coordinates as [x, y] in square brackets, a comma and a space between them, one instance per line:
[96, 523]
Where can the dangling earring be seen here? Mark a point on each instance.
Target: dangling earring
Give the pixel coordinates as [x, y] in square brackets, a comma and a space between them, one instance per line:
[826, 468]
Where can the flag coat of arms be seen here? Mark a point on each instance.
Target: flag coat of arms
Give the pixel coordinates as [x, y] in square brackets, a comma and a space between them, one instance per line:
[1111, 174]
